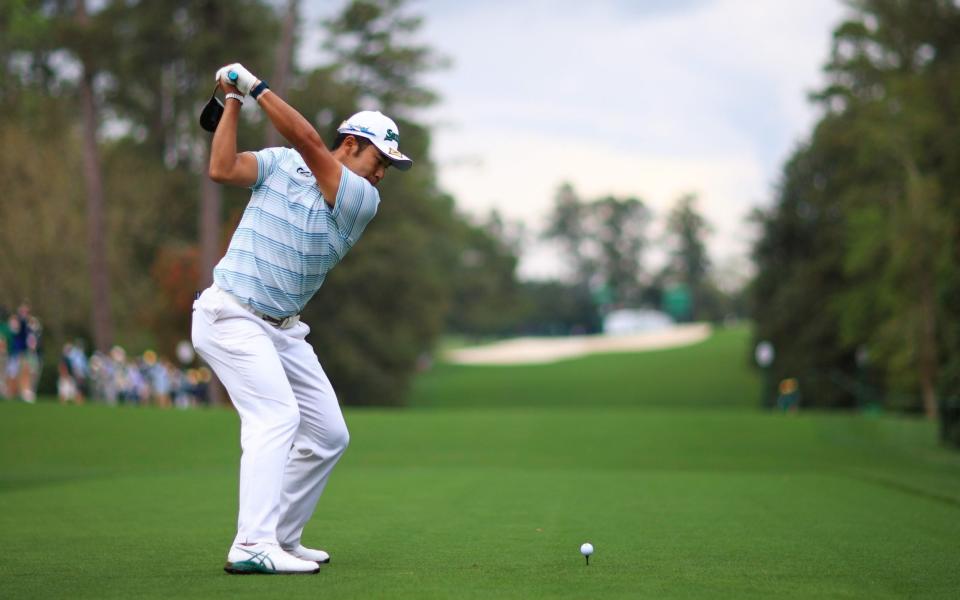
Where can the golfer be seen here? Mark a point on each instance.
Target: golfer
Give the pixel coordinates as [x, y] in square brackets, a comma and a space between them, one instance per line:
[309, 206]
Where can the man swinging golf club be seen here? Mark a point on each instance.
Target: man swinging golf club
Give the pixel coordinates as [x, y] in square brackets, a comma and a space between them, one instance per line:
[309, 206]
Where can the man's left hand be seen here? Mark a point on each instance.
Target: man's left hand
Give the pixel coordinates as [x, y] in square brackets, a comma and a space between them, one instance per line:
[244, 81]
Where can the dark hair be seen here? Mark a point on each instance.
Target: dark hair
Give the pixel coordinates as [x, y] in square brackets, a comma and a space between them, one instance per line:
[362, 142]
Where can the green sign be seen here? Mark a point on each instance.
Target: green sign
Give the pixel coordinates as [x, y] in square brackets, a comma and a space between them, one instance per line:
[678, 303]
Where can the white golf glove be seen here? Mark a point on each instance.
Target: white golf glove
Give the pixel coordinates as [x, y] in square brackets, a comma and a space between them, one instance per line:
[244, 81]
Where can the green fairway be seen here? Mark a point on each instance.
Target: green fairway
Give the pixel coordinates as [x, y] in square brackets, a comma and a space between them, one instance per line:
[710, 374]
[494, 502]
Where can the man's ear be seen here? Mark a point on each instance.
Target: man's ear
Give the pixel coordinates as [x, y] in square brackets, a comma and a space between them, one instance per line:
[356, 148]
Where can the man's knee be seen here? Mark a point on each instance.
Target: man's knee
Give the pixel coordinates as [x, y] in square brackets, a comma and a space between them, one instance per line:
[330, 440]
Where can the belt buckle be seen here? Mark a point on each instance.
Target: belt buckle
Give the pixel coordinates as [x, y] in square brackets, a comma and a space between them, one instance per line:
[272, 320]
[278, 323]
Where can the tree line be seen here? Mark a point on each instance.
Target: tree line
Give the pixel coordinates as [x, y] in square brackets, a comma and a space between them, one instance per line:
[109, 224]
[857, 285]
[607, 239]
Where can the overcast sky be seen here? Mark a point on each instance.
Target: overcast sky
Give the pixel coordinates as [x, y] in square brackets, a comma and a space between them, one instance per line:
[645, 98]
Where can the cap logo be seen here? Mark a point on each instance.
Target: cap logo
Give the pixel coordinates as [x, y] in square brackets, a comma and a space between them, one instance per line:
[392, 136]
[360, 128]
[394, 152]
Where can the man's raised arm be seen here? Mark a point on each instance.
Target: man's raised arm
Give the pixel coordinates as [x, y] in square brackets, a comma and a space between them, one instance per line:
[226, 166]
[291, 125]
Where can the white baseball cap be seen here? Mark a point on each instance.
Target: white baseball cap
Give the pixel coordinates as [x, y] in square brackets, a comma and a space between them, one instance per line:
[382, 131]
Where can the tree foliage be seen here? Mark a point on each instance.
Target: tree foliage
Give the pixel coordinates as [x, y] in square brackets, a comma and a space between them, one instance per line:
[689, 264]
[486, 294]
[377, 313]
[374, 45]
[381, 309]
[858, 253]
[687, 230]
[604, 240]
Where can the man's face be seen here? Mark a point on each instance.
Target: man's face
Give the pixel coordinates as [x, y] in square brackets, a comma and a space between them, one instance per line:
[368, 163]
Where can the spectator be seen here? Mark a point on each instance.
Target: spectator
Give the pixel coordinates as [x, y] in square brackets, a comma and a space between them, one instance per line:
[186, 380]
[101, 372]
[158, 374]
[12, 372]
[789, 398]
[67, 388]
[202, 389]
[23, 361]
[33, 358]
[120, 375]
[138, 390]
[79, 367]
[4, 349]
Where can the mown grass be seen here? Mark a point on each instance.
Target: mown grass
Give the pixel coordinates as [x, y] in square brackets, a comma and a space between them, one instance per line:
[714, 373]
[493, 501]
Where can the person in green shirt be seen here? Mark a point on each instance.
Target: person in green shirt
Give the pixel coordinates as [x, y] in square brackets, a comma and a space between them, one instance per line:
[4, 351]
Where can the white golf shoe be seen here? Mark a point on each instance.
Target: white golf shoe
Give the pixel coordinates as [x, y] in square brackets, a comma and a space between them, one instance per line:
[266, 559]
[318, 556]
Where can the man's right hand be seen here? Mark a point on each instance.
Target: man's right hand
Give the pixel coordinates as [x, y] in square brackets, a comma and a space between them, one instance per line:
[244, 81]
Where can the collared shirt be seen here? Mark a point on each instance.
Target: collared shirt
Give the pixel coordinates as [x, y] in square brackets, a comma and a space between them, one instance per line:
[289, 238]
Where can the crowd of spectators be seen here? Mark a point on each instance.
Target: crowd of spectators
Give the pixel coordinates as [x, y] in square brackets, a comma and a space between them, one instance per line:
[115, 378]
[111, 378]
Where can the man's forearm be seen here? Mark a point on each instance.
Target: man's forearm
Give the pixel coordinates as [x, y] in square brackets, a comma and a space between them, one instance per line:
[289, 122]
[306, 141]
[223, 149]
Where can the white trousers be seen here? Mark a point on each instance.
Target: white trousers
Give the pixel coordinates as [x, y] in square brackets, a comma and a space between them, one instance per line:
[291, 429]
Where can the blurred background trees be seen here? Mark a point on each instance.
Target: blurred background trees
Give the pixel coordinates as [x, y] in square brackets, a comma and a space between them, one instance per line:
[855, 282]
[145, 69]
[141, 71]
[604, 240]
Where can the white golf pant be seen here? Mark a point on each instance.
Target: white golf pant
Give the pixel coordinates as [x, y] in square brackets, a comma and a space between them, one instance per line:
[291, 429]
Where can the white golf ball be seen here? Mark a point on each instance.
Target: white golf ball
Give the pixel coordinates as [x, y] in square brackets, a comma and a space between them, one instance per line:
[586, 549]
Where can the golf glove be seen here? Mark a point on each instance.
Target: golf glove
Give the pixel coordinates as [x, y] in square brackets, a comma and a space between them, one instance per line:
[245, 79]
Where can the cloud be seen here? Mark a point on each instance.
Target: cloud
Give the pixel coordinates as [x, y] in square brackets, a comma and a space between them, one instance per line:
[640, 99]
[647, 98]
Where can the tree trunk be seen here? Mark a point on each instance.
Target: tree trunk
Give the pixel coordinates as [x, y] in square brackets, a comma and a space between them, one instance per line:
[927, 346]
[922, 226]
[211, 201]
[281, 67]
[100, 320]
[168, 82]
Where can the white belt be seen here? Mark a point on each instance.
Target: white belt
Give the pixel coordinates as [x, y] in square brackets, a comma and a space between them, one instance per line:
[284, 323]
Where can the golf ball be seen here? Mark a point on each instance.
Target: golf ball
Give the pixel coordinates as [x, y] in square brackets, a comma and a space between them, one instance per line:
[586, 549]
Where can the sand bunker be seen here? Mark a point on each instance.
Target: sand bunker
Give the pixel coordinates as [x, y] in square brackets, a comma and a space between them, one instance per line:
[534, 350]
